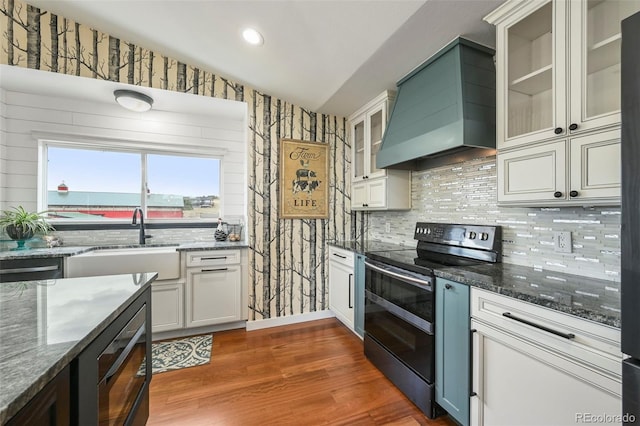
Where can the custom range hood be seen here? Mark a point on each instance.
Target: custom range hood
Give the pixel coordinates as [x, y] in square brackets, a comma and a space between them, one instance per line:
[445, 110]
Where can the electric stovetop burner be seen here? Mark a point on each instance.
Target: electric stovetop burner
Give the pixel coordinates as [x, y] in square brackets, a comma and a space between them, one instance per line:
[442, 244]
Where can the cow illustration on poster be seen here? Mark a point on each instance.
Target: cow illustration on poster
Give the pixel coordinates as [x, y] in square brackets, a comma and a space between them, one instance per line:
[303, 183]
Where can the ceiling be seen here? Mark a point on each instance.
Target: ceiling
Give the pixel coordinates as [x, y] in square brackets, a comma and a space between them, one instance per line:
[327, 56]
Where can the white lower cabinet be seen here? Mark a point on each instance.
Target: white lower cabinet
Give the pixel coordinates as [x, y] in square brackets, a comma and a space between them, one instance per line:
[213, 296]
[214, 288]
[211, 291]
[341, 285]
[526, 375]
[167, 301]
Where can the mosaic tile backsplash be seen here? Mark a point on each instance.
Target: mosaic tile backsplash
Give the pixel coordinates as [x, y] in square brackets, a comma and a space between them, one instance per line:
[466, 193]
[126, 237]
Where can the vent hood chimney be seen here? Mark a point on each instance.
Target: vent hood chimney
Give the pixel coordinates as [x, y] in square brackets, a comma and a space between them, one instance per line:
[445, 110]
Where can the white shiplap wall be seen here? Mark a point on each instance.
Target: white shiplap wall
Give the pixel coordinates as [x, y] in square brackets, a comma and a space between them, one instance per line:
[26, 118]
[3, 148]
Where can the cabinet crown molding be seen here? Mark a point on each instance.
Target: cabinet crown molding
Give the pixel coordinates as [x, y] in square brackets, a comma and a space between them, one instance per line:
[512, 7]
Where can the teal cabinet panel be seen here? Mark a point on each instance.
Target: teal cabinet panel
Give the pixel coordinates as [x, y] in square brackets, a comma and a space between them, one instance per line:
[453, 362]
[358, 292]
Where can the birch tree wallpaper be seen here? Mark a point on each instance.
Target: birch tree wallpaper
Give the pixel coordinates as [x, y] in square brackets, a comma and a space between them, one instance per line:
[287, 258]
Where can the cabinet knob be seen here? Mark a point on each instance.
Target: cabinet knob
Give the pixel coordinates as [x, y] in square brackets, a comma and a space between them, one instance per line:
[557, 130]
[447, 286]
[573, 126]
[557, 194]
[365, 205]
[573, 193]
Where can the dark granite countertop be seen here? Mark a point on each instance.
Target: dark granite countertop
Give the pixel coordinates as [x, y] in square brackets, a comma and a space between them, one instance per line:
[593, 299]
[361, 247]
[39, 253]
[64, 251]
[45, 324]
[589, 298]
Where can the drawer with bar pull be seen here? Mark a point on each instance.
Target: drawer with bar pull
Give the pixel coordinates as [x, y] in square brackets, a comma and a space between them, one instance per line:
[342, 256]
[565, 334]
[212, 258]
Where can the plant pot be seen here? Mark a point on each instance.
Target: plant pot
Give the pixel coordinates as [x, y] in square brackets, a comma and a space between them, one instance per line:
[18, 232]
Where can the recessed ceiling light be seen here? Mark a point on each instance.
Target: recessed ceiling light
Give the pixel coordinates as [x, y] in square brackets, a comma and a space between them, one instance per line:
[133, 101]
[252, 36]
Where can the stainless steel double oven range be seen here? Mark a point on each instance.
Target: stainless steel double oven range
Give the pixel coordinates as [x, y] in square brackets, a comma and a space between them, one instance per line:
[400, 302]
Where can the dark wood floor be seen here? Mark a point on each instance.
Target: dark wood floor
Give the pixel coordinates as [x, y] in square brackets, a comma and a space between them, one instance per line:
[304, 374]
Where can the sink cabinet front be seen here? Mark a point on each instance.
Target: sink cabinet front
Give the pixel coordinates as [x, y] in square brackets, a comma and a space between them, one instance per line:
[214, 288]
[168, 305]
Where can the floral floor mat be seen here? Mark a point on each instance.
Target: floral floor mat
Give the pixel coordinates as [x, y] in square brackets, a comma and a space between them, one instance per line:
[180, 353]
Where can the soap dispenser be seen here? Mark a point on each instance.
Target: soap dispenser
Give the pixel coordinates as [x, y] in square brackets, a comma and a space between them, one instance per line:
[220, 234]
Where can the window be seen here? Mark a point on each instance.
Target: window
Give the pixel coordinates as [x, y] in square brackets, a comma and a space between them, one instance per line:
[94, 184]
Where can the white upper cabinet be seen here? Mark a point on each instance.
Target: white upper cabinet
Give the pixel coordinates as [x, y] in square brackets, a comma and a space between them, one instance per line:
[373, 188]
[557, 67]
[530, 74]
[595, 60]
[558, 101]
[367, 128]
[563, 172]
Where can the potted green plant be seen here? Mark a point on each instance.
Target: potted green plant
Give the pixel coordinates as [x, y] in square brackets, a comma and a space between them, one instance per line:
[20, 224]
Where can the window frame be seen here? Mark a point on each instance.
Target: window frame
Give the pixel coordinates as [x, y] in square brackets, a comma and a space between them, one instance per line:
[143, 148]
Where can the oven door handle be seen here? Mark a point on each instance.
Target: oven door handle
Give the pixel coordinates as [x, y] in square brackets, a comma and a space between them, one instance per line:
[405, 278]
[403, 314]
[123, 356]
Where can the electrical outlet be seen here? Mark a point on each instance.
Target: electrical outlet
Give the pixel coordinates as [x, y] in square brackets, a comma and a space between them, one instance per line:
[387, 227]
[562, 241]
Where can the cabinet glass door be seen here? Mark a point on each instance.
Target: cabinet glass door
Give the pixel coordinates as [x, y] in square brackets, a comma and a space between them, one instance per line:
[597, 30]
[376, 131]
[358, 140]
[530, 73]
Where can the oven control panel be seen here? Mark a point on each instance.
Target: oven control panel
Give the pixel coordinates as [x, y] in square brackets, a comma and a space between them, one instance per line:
[471, 236]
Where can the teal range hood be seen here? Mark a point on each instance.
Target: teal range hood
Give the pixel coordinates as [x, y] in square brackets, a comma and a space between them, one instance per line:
[445, 110]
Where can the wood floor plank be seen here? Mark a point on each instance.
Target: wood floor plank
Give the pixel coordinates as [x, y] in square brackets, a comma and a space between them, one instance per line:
[312, 373]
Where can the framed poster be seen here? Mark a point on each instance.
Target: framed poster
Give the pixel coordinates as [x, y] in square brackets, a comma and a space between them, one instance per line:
[304, 179]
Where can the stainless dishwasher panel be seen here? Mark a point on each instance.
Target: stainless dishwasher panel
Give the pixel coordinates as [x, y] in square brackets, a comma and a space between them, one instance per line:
[31, 269]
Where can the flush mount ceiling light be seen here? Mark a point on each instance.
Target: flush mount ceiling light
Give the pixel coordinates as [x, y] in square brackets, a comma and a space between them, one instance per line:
[252, 36]
[133, 101]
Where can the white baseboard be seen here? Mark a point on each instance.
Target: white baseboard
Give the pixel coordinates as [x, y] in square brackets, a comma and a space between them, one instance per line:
[183, 332]
[290, 319]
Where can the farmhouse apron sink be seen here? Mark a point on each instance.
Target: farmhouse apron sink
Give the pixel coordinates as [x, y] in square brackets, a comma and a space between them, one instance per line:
[163, 260]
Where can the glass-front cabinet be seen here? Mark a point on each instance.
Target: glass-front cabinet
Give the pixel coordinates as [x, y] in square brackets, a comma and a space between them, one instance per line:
[373, 188]
[367, 129]
[595, 58]
[558, 86]
[534, 96]
[558, 67]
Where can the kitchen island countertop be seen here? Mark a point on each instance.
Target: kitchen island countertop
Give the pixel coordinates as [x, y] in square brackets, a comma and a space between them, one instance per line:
[45, 324]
